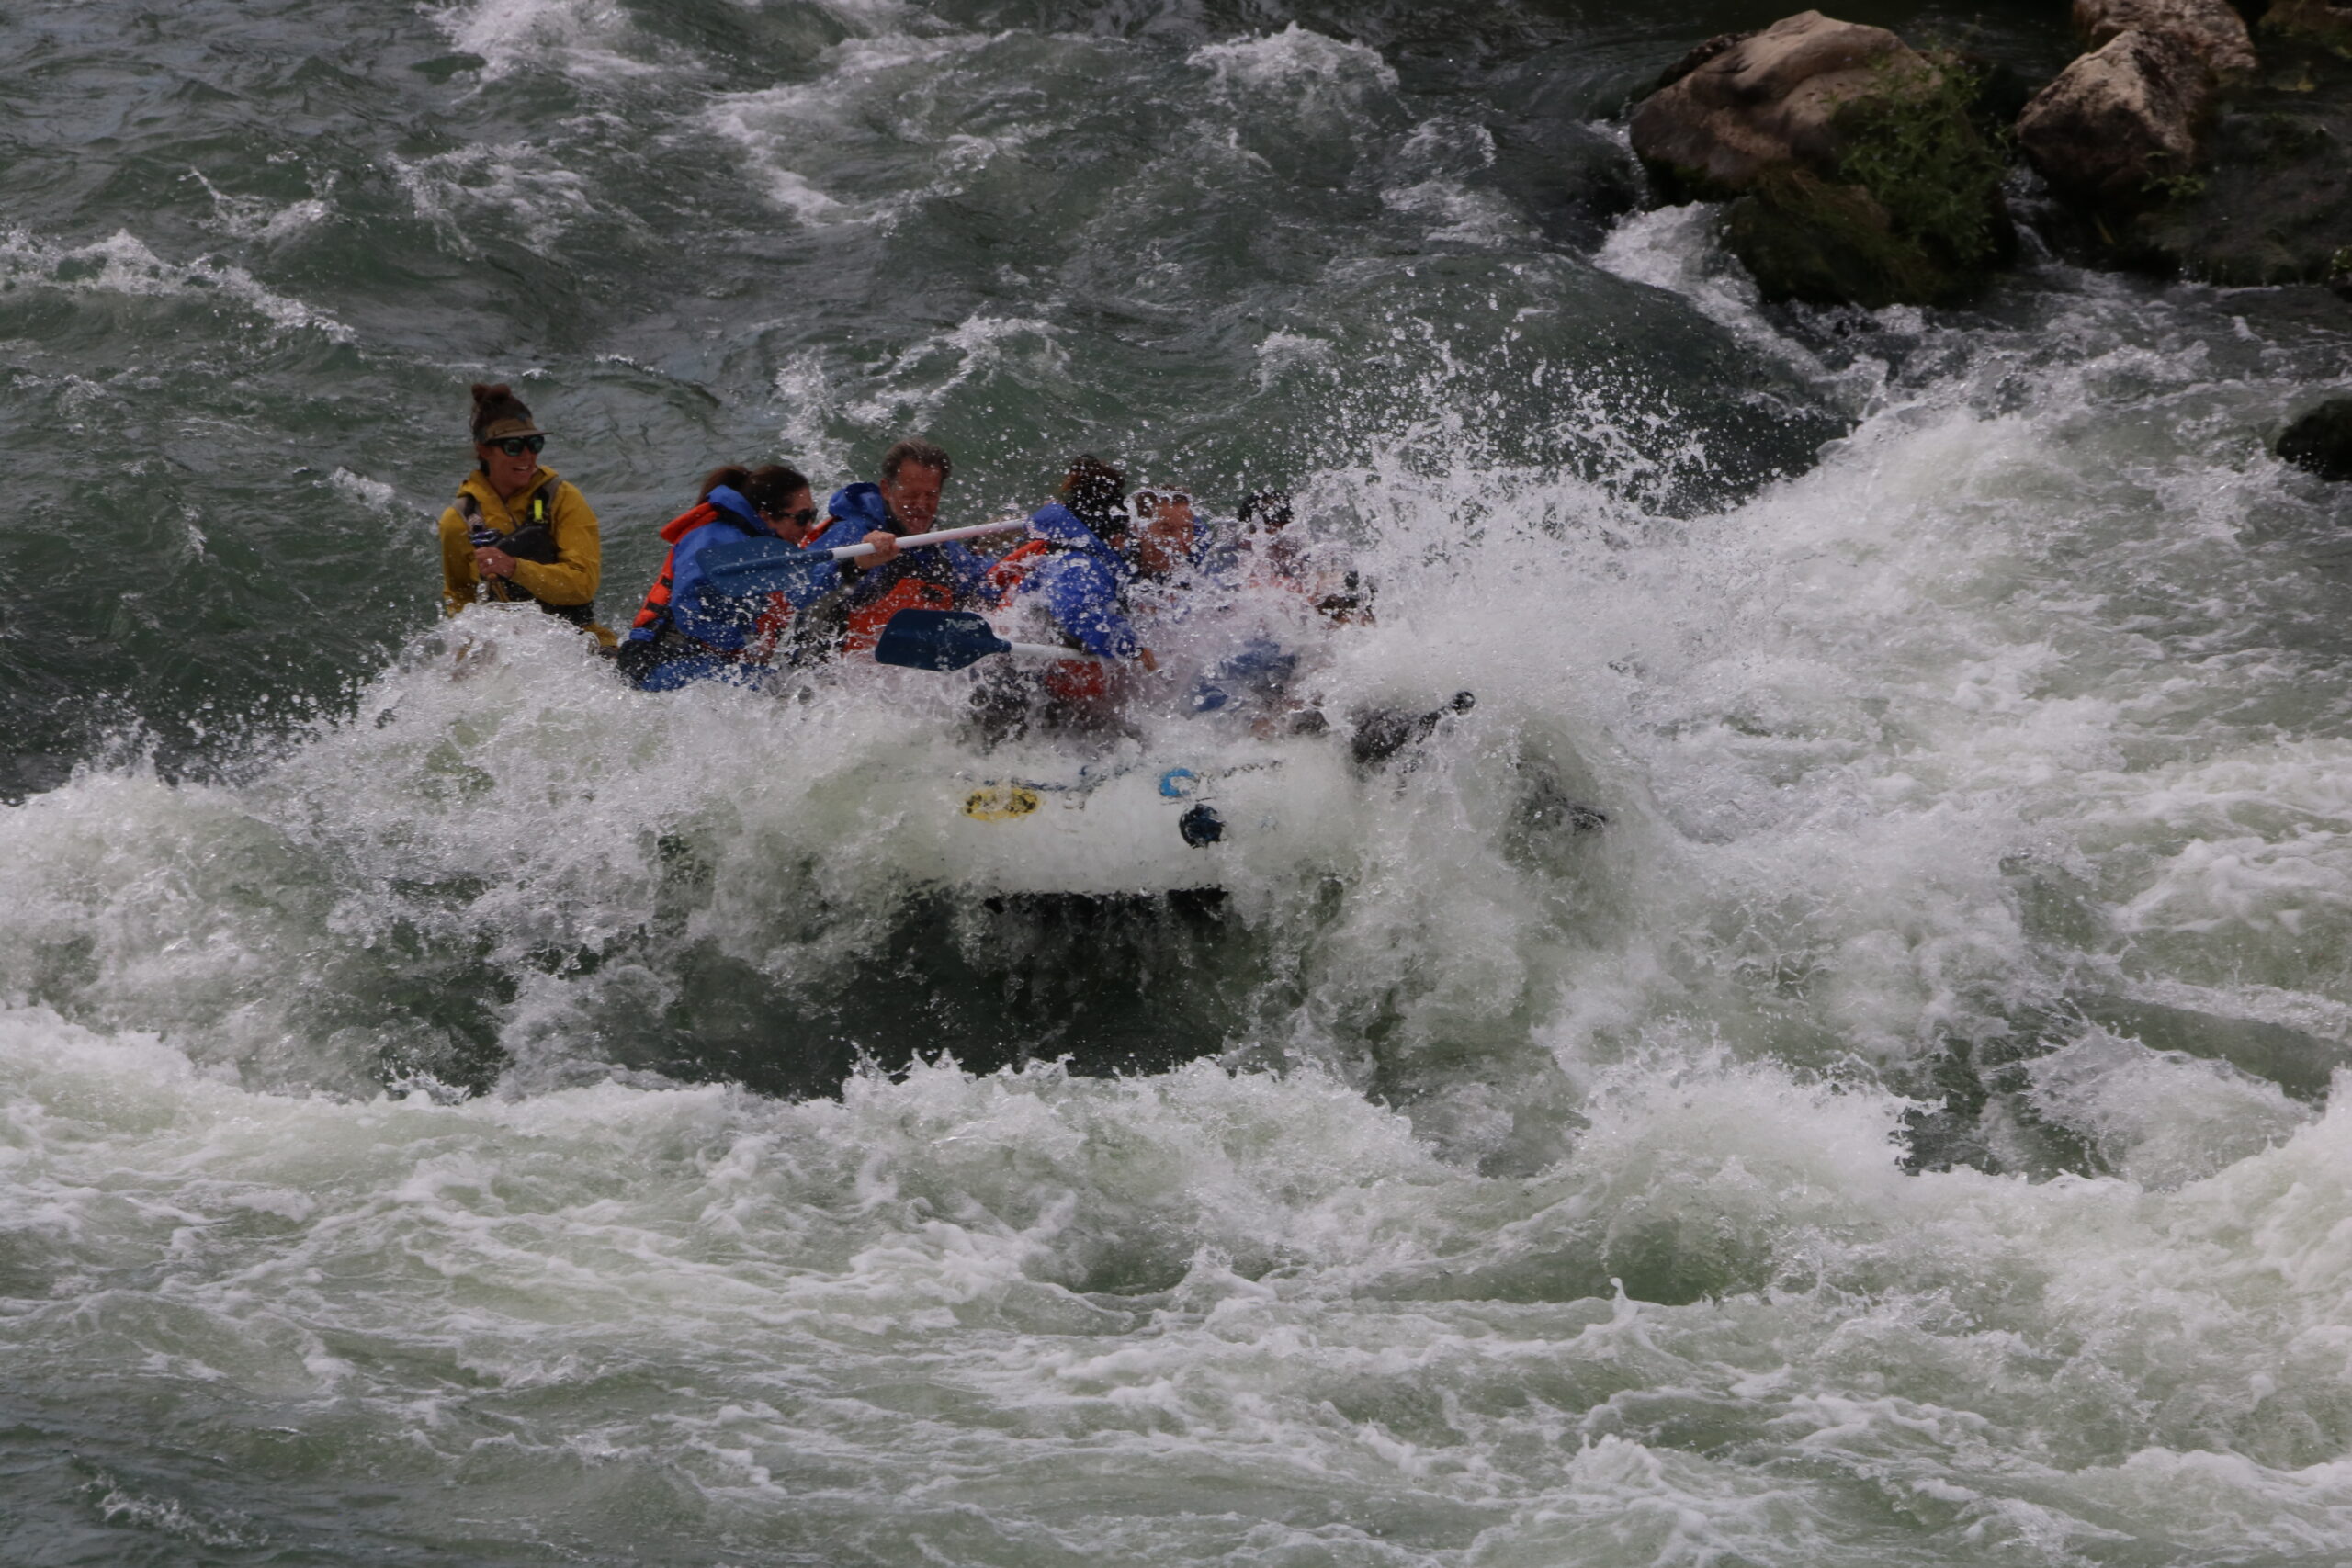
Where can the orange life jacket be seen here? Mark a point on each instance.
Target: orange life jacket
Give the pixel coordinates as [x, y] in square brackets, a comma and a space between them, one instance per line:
[1016, 563]
[909, 593]
[657, 598]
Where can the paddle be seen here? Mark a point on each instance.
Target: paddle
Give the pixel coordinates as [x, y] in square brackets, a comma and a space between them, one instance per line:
[949, 640]
[766, 566]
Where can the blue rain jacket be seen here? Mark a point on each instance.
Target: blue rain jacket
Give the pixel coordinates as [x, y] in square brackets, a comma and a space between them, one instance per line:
[1079, 585]
[719, 621]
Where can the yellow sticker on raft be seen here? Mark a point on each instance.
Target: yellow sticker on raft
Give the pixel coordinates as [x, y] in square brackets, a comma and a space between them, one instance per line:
[1001, 803]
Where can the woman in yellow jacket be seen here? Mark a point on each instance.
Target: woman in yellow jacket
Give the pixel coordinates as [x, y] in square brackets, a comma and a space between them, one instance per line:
[519, 531]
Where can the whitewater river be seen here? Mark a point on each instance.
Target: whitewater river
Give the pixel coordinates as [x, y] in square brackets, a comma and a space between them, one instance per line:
[514, 1119]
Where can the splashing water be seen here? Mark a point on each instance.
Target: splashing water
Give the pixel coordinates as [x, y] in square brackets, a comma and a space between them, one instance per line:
[473, 1111]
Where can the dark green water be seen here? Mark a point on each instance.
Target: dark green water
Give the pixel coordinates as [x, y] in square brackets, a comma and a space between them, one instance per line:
[1903, 1136]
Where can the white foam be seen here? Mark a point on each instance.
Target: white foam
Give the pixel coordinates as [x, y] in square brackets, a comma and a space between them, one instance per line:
[123, 264]
[374, 494]
[2160, 1118]
[590, 39]
[515, 187]
[1296, 58]
[794, 135]
[259, 218]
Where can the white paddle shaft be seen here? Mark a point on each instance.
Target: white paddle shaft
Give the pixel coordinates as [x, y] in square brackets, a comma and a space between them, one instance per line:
[858, 552]
[1047, 650]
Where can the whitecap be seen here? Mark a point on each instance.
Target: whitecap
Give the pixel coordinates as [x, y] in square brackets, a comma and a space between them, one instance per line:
[122, 264]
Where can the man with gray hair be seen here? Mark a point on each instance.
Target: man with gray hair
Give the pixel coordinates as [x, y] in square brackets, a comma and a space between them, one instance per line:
[940, 577]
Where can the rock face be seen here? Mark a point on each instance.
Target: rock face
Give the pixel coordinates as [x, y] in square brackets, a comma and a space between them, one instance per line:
[2211, 29]
[2119, 123]
[1763, 103]
[1852, 169]
[2313, 21]
[2321, 440]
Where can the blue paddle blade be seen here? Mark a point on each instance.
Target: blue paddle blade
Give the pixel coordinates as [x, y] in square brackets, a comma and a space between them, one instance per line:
[761, 566]
[936, 639]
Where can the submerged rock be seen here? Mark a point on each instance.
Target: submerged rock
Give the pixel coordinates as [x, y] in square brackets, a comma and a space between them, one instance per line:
[1848, 157]
[2320, 440]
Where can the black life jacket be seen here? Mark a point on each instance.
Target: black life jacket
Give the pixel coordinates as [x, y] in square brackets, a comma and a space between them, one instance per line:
[532, 540]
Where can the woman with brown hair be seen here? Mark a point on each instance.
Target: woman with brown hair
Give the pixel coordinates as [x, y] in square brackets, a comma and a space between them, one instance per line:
[518, 531]
[690, 627]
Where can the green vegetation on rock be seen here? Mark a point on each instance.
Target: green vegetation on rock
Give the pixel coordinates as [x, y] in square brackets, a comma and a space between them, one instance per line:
[1912, 147]
[1914, 215]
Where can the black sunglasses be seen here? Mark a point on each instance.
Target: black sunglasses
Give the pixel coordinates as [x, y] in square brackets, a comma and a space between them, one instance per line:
[515, 445]
[800, 519]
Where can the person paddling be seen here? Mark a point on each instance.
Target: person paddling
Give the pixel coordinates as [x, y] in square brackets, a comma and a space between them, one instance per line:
[690, 627]
[519, 531]
[941, 576]
[1068, 583]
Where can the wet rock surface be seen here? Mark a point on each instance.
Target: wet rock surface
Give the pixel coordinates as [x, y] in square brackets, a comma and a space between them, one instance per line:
[2184, 144]
[2320, 440]
[2319, 22]
[2270, 201]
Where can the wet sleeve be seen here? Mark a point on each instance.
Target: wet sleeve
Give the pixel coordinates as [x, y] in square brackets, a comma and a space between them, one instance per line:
[458, 581]
[571, 578]
[1085, 605]
[720, 620]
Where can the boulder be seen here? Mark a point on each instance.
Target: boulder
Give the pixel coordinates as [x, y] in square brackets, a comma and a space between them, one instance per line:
[1848, 157]
[2117, 129]
[2320, 440]
[2211, 29]
[1766, 102]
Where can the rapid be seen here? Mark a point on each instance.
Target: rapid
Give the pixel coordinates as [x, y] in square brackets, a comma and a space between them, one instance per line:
[494, 1116]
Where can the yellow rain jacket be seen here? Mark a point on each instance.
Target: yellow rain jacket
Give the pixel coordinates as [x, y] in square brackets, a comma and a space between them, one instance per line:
[564, 585]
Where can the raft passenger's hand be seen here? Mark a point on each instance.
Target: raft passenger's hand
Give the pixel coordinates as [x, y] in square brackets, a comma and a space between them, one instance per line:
[492, 561]
[886, 546]
[1150, 662]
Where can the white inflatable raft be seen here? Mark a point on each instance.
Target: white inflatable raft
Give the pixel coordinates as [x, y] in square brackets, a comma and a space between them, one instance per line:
[1038, 821]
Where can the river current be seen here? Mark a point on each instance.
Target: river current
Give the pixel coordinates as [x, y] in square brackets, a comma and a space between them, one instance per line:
[515, 1120]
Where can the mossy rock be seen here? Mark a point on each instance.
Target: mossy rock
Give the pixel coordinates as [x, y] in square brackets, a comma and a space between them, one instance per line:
[1914, 218]
[1803, 238]
[1853, 162]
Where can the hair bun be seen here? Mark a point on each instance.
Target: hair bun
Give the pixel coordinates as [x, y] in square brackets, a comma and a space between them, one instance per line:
[497, 408]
